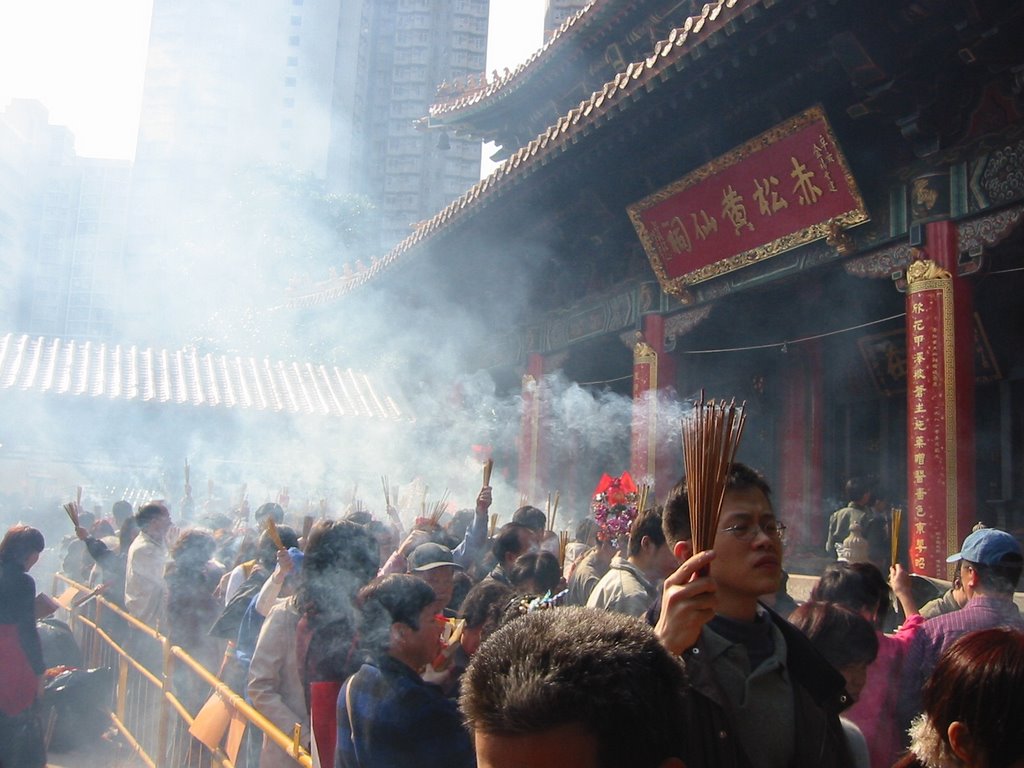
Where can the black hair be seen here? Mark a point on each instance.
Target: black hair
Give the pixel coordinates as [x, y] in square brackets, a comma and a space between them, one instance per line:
[484, 602]
[856, 586]
[675, 523]
[398, 598]
[531, 517]
[541, 568]
[647, 523]
[149, 512]
[843, 637]
[508, 541]
[603, 671]
[19, 542]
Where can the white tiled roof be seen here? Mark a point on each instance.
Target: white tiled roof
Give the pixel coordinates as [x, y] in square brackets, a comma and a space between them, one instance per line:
[185, 377]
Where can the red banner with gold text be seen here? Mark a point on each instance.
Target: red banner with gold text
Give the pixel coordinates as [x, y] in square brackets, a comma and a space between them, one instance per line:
[784, 188]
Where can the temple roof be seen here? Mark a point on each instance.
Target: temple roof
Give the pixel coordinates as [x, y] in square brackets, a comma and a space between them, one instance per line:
[459, 96]
[687, 41]
[68, 368]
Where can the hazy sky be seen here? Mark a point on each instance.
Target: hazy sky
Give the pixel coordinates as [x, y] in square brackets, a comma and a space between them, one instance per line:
[85, 60]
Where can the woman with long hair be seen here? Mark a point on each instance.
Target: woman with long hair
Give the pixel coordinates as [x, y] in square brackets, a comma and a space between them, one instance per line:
[973, 707]
[21, 672]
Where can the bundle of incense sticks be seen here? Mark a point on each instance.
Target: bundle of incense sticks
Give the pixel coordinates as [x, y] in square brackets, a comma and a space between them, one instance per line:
[552, 510]
[437, 511]
[488, 466]
[72, 509]
[563, 542]
[711, 436]
[273, 534]
[896, 526]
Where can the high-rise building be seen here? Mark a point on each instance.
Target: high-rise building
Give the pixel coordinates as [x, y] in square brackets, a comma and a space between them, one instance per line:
[329, 88]
[62, 225]
[407, 48]
[557, 11]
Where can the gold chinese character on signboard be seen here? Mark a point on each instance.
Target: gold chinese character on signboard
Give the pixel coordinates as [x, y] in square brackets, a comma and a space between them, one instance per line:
[919, 326]
[919, 563]
[919, 527]
[677, 236]
[920, 546]
[768, 200]
[919, 442]
[807, 192]
[734, 210]
[919, 424]
[919, 476]
[917, 307]
[705, 225]
[920, 494]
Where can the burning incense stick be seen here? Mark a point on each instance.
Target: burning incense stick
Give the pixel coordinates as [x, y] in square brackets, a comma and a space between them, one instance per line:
[488, 466]
[554, 511]
[897, 526]
[387, 491]
[493, 526]
[711, 436]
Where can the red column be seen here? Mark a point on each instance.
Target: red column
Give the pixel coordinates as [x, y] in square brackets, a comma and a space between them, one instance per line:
[531, 440]
[800, 503]
[940, 403]
[652, 459]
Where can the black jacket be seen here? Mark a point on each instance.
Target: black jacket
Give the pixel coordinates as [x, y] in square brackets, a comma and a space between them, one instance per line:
[819, 694]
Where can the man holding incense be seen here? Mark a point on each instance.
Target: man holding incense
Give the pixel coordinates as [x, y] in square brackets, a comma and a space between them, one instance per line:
[760, 693]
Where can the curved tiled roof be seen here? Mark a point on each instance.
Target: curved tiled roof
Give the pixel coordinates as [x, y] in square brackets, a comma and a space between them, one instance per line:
[715, 17]
[184, 377]
[473, 94]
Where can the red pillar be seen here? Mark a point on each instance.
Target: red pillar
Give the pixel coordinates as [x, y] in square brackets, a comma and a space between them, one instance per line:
[532, 475]
[801, 442]
[940, 403]
[652, 457]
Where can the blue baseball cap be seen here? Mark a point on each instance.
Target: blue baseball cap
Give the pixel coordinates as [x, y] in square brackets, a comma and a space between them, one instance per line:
[987, 547]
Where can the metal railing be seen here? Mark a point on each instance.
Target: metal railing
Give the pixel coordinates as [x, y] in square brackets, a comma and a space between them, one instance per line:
[160, 688]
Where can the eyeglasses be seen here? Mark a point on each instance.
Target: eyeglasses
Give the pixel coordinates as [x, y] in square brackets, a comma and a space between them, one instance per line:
[748, 531]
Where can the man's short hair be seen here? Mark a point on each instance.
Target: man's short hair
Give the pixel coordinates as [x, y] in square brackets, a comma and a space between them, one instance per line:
[531, 517]
[647, 523]
[397, 598]
[603, 671]
[1001, 579]
[676, 517]
[149, 512]
[509, 541]
[856, 487]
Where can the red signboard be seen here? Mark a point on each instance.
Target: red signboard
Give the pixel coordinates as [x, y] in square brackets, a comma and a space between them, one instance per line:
[787, 187]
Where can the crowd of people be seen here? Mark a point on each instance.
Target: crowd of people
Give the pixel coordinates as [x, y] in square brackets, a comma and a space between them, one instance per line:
[471, 644]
